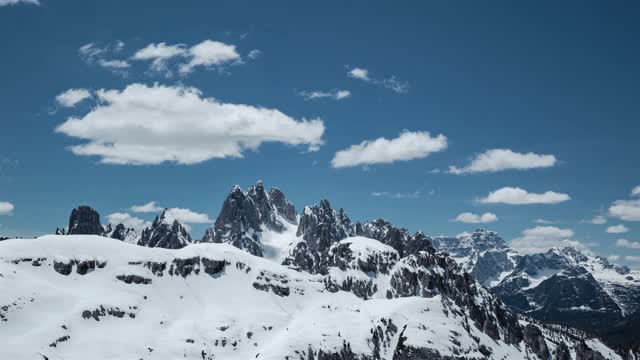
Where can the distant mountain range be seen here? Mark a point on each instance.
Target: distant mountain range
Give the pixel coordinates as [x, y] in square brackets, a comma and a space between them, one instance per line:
[268, 283]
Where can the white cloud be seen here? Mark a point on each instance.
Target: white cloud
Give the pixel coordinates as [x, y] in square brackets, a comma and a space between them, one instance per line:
[617, 229]
[150, 207]
[359, 73]
[628, 244]
[408, 146]
[94, 54]
[207, 53]
[254, 54]
[635, 191]
[495, 160]
[391, 83]
[128, 221]
[186, 216]
[518, 196]
[113, 64]
[632, 258]
[72, 97]
[210, 53]
[613, 257]
[413, 195]
[159, 54]
[16, 2]
[628, 210]
[542, 238]
[154, 124]
[6, 208]
[544, 221]
[333, 94]
[597, 220]
[471, 218]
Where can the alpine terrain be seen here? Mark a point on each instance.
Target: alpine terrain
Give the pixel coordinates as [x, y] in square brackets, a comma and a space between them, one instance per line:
[266, 282]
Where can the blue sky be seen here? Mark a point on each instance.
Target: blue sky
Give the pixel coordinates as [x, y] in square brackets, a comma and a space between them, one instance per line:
[556, 84]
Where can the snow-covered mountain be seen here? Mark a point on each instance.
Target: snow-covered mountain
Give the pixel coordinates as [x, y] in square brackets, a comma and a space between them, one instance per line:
[562, 285]
[85, 296]
[246, 216]
[483, 253]
[165, 232]
[267, 283]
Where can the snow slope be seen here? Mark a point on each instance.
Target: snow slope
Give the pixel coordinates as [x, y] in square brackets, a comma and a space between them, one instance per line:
[84, 296]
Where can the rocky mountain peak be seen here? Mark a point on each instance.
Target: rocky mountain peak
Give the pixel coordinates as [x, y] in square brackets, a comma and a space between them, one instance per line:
[321, 225]
[165, 232]
[398, 238]
[245, 215]
[284, 206]
[85, 220]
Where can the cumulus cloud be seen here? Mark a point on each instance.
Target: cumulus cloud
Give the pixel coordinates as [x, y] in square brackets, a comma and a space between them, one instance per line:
[391, 83]
[635, 191]
[518, 196]
[128, 221]
[16, 2]
[359, 73]
[628, 244]
[72, 97]
[207, 53]
[542, 238]
[413, 195]
[495, 160]
[210, 53]
[6, 208]
[154, 124]
[408, 146]
[186, 216]
[150, 207]
[159, 54]
[628, 210]
[333, 94]
[617, 229]
[471, 218]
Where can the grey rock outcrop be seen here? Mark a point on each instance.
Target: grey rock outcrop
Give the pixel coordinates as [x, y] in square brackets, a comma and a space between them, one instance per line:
[245, 215]
[85, 221]
[320, 227]
[165, 232]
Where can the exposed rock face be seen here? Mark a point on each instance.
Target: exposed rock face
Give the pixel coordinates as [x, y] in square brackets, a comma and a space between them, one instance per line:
[165, 232]
[120, 232]
[284, 206]
[245, 215]
[386, 233]
[534, 338]
[569, 287]
[320, 227]
[85, 221]
[483, 253]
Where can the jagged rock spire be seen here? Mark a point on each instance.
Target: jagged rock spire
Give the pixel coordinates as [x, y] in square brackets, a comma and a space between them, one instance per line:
[165, 232]
[85, 221]
[245, 215]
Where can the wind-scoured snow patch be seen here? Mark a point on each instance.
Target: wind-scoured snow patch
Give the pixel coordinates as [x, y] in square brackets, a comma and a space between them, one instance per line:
[154, 124]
